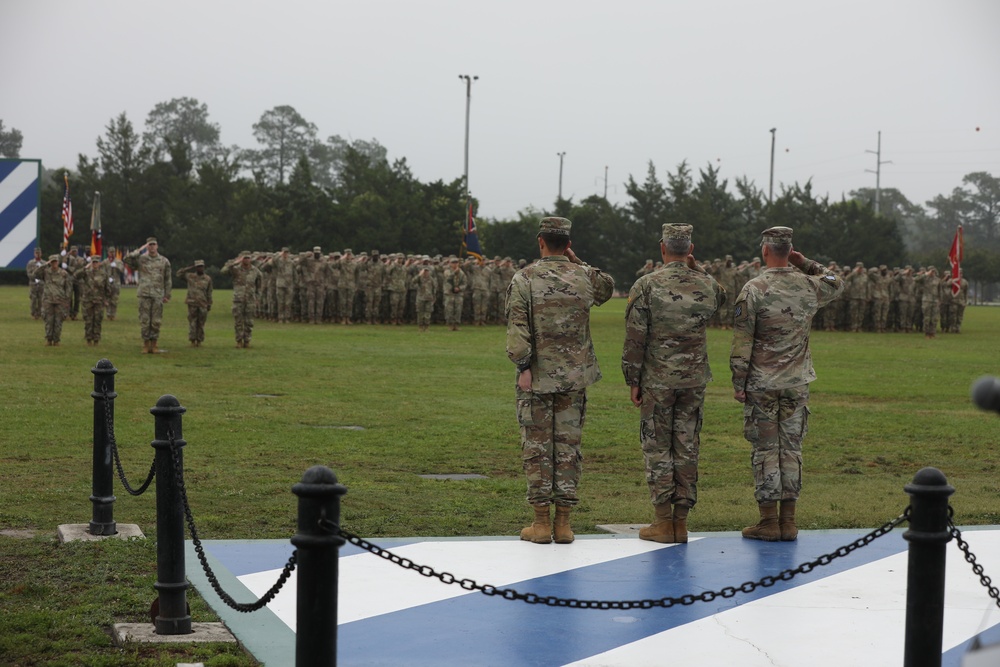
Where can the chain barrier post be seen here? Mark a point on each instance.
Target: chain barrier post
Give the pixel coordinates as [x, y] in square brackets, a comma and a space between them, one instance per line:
[928, 536]
[318, 550]
[171, 583]
[102, 485]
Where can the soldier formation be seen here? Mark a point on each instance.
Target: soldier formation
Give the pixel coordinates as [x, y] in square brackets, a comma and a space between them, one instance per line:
[876, 299]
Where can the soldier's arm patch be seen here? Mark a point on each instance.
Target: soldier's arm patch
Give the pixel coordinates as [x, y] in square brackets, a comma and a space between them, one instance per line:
[832, 278]
[739, 310]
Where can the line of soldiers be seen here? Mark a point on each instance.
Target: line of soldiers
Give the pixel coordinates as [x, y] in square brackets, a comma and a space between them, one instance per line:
[63, 285]
[876, 299]
[373, 288]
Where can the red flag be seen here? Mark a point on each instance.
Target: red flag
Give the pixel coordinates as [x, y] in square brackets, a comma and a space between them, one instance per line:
[67, 213]
[96, 238]
[955, 258]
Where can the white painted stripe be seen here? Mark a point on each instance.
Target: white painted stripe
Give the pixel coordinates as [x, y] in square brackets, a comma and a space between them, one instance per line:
[370, 586]
[17, 182]
[18, 238]
[857, 617]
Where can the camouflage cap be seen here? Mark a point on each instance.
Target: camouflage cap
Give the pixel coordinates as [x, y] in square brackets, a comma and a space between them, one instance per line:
[151, 240]
[53, 258]
[556, 226]
[199, 262]
[244, 253]
[375, 252]
[675, 232]
[95, 258]
[364, 253]
[284, 249]
[347, 251]
[776, 235]
[317, 249]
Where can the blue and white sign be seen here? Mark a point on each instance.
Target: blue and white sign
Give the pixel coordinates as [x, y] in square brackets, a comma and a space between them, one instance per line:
[20, 192]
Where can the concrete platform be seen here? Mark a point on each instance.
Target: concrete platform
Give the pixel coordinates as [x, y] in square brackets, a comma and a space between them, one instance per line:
[849, 612]
[203, 633]
[73, 532]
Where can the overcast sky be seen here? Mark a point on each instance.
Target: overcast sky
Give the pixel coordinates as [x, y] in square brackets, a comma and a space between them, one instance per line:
[611, 84]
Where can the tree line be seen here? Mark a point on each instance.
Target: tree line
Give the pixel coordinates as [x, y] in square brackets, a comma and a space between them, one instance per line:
[202, 200]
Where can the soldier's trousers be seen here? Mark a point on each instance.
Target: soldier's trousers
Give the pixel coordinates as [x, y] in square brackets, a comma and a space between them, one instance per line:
[373, 298]
[35, 293]
[880, 314]
[551, 432]
[453, 309]
[669, 428]
[906, 316]
[113, 301]
[314, 303]
[197, 315]
[283, 296]
[930, 311]
[243, 320]
[480, 300]
[775, 422]
[397, 300]
[150, 317]
[53, 313]
[93, 317]
[856, 314]
[424, 309]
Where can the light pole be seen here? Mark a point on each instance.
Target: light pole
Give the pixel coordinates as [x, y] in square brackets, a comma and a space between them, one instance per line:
[770, 188]
[878, 171]
[468, 103]
[561, 156]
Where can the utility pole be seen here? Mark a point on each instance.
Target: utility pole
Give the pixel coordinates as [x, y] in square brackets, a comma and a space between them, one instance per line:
[605, 182]
[770, 188]
[468, 104]
[878, 171]
[561, 156]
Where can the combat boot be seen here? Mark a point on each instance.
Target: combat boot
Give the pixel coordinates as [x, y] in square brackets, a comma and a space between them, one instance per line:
[681, 524]
[662, 528]
[767, 528]
[145, 347]
[561, 529]
[152, 347]
[786, 521]
[539, 532]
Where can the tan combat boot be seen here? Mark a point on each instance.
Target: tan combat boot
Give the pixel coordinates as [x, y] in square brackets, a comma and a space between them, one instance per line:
[539, 532]
[563, 533]
[662, 528]
[145, 347]
[767, 528]
[681, 524]
[153, 349]
[786, 521]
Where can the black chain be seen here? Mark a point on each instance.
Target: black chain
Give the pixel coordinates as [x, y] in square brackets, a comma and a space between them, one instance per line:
[667, 602]
[970, 558]
[246, 607]
[110, 425]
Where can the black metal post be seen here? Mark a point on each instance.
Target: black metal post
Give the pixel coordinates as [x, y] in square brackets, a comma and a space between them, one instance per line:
[928, 535]
[171, 582]
[102, 485]
[318, 549]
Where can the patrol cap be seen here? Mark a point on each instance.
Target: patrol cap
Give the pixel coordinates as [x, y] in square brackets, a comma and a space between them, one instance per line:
[199, 262]
[53, 258]
[670, 231]
[151, 240]
[556, 226]
[316, 248]
[244, 253]
[364, 253]
[95, 258]
[776, 235]
[347, 251]
[375, 252]
[284, 249]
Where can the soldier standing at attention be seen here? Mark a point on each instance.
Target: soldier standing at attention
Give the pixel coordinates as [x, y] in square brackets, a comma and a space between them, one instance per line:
[282, 267]
[548, 340]
[113, 267]
[57, 290]
[94, 293]
[199, 299]
[453, 293]
[772, 369]
[246, 285]
[665, 362]
[153, 272]
[425, 286]
[35, 286]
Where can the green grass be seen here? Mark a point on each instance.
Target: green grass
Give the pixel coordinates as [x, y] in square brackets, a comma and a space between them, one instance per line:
[884, 406]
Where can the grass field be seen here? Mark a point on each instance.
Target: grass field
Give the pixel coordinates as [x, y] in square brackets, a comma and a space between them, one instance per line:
[884, 406]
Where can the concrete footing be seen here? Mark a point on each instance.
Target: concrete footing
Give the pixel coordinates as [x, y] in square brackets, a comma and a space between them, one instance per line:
[203, 633]
[73, 532]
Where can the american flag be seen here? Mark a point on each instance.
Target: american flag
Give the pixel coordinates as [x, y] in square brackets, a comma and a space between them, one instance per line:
[67, 213]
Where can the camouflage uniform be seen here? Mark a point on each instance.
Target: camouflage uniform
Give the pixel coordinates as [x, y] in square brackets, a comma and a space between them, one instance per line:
[72, 262]
[453, 294]
[198, 300]
[856, 293]
[548, 332]
[282, 267]
[347, 287]
[666, 356]
[35, 286]
[930, 300]
[880, 298]
[314, 274]
[116, 277]
[154, 277]
[961, 301]
[57, 288]
[94, 292]
[771, 363]
[425, 284]
[373, 290]
[246, 285]
[480, 278]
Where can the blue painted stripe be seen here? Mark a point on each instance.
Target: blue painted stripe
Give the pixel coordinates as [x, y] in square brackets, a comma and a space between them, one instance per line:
[7, 167]
[22, 258]
[475, 629]
[19, 208]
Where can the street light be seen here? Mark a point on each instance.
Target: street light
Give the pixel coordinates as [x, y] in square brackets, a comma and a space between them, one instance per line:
[468, 103]
[561, 156]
